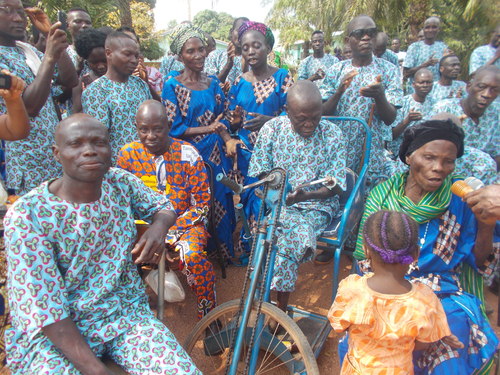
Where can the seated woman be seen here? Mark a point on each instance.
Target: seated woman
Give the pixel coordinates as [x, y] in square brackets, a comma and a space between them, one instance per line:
[195, 105]
[450, 235]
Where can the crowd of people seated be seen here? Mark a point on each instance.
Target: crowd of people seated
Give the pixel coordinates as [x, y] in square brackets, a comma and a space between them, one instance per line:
[94, 140]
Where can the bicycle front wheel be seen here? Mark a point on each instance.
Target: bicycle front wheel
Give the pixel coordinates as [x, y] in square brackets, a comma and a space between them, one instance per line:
[284, 349]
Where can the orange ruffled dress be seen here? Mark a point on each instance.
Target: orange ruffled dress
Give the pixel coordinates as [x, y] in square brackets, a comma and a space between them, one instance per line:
[383, 327]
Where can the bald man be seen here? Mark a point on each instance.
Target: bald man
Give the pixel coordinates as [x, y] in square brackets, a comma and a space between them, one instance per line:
[308, 148]
[448, 86]
[75, 293]
[479, 111]
[380, 49]
[173, 167]
[414, 108]
[374, 93]
[425, 53]
[114, 98]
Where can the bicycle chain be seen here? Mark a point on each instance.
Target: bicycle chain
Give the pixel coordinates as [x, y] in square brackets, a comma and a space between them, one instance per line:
[245, 286]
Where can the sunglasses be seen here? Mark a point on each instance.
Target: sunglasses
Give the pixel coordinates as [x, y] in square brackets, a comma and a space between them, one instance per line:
[359, 33]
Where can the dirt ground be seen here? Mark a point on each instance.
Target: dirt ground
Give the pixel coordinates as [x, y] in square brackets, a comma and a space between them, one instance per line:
[313, 293]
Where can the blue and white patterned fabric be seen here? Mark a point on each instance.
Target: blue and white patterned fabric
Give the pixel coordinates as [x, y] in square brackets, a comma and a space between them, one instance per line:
[480, 56]
[418, 53]
[391, 57]
[408, 103]
[305, 160]
[216, 61]
[115, 104]
[73, 261]
[29, 162]
[485, 135]
[311, 65]
[352, 104]
[170, 64]
[457, 89]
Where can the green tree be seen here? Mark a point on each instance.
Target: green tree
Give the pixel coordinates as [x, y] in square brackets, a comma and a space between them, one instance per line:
[214, 23]
[465, 23]
[115, 13]
[143, 24]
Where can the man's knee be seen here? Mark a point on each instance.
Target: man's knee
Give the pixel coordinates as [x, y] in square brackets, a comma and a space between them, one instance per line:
[163, 352]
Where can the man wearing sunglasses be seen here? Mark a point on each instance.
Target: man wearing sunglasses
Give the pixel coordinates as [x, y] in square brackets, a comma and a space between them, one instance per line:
[366, 87]
[425, 53]
[377, 84]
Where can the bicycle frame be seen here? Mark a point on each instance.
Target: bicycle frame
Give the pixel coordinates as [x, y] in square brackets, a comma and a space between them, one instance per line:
[264, 242]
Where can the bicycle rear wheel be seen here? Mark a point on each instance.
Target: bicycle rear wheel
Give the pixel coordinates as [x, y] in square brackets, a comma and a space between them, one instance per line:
[284, 348]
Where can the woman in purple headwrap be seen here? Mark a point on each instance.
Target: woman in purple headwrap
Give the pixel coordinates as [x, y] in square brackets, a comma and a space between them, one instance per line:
[256, 97]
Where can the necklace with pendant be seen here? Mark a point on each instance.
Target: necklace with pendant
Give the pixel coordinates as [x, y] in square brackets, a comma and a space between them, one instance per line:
[422, 240]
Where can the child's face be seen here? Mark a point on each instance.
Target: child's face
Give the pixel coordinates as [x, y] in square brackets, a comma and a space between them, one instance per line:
[97, 61]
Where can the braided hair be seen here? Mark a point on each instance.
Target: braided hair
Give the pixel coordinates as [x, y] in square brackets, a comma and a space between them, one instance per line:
[392, 235]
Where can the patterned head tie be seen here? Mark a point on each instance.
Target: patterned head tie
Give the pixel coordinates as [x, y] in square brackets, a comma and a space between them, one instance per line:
[261, 28]
[388, 255]
[182, 34]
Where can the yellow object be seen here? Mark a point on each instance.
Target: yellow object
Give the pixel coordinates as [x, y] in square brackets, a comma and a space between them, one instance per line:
[461, 188]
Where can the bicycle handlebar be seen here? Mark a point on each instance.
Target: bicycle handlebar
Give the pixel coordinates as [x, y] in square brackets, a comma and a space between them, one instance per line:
[231, 184]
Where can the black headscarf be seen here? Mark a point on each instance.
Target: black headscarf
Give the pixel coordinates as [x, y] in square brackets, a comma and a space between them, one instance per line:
[428, 131]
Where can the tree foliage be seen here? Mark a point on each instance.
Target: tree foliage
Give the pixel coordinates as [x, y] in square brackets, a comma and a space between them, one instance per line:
[465, 23]
[115, 13]
[216, 24]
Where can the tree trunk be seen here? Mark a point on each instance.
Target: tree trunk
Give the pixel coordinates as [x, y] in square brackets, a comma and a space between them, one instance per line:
[305, 51]
[418, 12]
[125, 14]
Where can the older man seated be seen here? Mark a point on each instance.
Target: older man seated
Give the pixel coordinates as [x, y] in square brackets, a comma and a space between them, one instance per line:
[174, 167]
[75, 293]
[308, 148]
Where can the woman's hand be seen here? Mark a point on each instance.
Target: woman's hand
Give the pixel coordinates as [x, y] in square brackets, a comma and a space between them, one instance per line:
[231, 145]
[235, 117]
[16, 88]
[257, 122]
[217, 126]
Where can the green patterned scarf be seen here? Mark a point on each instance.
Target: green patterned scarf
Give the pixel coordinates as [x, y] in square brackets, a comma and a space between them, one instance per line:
[390, 195]
[432, 204]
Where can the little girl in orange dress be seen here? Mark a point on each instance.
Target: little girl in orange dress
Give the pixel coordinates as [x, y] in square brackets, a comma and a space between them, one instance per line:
[386, 316]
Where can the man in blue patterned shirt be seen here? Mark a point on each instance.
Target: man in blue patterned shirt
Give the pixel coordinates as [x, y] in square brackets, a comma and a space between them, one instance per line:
[29, 161]
[448, 86]
[488, 54]
[308, 148]
[314, 67]
[114, 98]
[425, 53]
